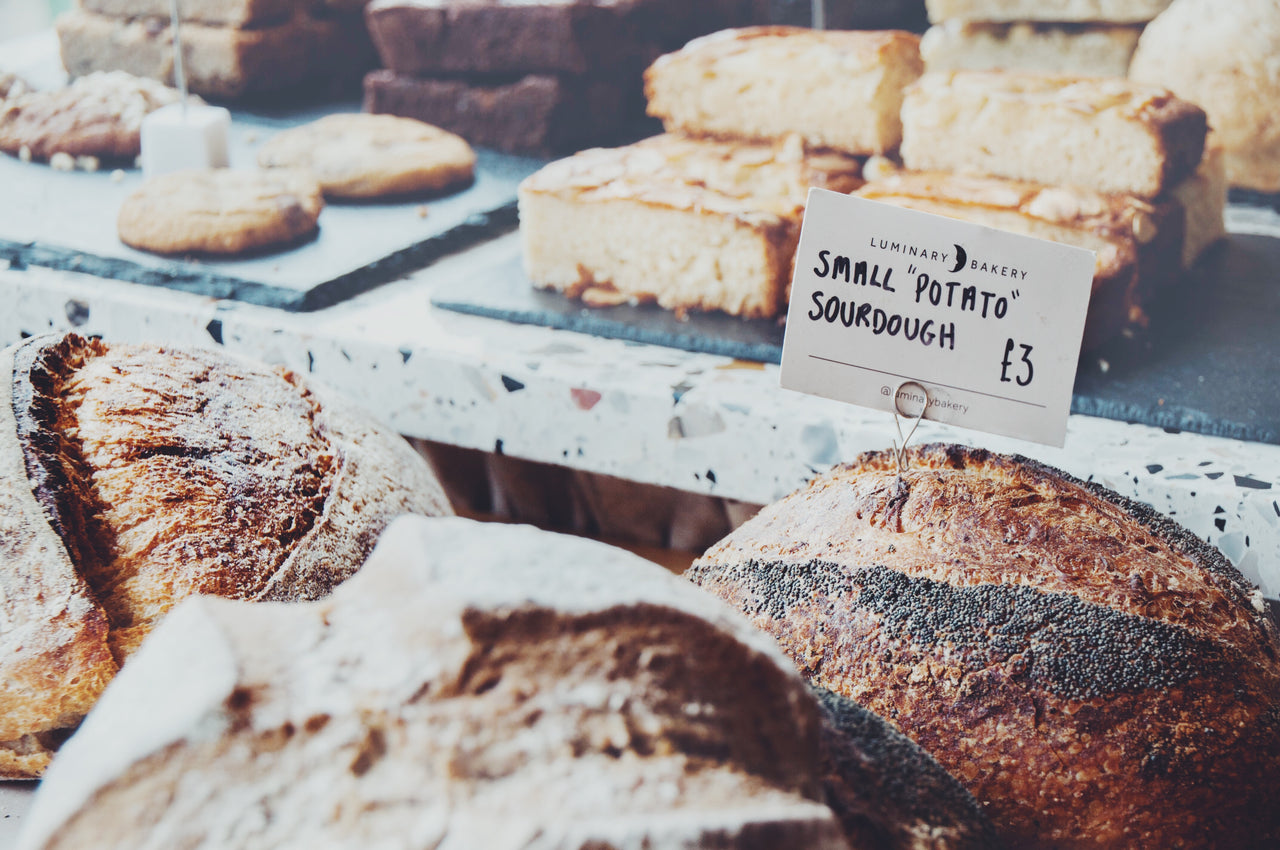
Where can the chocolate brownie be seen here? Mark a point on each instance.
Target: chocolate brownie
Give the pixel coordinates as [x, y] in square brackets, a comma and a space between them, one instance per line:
[535, 114]
[438, 36]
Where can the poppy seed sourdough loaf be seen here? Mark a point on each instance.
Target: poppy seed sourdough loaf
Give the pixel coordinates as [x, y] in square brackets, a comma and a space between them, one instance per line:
[135, 476]
[1093, 673]
[474, 686]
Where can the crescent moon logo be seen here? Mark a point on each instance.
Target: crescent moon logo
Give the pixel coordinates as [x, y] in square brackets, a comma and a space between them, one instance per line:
[961, 258]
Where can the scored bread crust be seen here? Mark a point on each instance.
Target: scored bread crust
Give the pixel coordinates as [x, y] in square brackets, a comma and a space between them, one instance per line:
[843, 88]
[108, 541]
[1137, 242]
[1091, 671]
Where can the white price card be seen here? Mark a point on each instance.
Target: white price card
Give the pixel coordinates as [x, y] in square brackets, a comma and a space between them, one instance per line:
[988, 322]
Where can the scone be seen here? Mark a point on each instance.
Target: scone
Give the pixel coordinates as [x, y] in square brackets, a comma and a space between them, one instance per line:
[1095, 674]
[838, 90]
[98, 115]
[480, 687]
[1103, 134]
[1138, 243]
[372, 156]
[133, 476]
[1225, 60]
[692, 225]
[221, 211]
[1109, 11]
[1086, 50]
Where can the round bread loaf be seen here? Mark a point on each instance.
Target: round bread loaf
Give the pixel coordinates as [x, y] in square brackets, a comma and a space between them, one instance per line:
[134, 476]
[482, 686]
[1095, 674]
[1226, 58]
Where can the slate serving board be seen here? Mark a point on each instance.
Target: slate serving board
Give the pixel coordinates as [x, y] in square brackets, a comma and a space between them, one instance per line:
[1208, 363]
[68, 221]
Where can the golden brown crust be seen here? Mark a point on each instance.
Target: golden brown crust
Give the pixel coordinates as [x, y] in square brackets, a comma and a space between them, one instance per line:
[372, 156]
[147, 475]
[220, 211]
[1091, 671]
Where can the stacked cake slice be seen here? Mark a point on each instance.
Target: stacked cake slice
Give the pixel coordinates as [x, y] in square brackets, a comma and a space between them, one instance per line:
[535, 77]
[1086, 37]
[1118, 168]
[707, 216]
[230, 49]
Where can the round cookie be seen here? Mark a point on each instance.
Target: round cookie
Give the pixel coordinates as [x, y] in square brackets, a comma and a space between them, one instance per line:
[358, 155]
[1228, 62]
[220, 211]
[97, 115]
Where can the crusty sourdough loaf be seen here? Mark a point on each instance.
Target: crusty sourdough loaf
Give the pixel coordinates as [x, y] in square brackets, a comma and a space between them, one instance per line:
[1110, 11]
[135, 476]
[1088, 50]
[1109, 135]
[839, 90]
[690, 224]
[1225, 60]
[474, 686]
[1095, 674]
[1137, 243]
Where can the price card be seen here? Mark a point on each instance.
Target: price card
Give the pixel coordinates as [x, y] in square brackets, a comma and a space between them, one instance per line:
[988, 322]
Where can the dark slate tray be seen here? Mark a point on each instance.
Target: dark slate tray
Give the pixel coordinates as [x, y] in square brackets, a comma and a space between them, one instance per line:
[67, 221]
[1208, 363]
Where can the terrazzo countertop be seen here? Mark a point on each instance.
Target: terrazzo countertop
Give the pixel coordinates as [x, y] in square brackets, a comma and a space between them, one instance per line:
[697, 422]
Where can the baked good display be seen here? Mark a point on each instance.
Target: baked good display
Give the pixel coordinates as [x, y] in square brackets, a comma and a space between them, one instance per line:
[135, 476]
[372, 156]
[540, 114]
[219, 61]
[221, 211]
[1089, 50]
[99, 115]
[839, 90]
[1225, 61]
[1115, 11]
[472, 686]
[726, 215]
[1138, 243]
[1094, 673]
[1108, 135]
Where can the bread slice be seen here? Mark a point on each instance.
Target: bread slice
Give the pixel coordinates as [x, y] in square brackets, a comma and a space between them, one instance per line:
[838, 90]
[1095, 674]
[474, 686]
[1110, 11]
[1087, 50]
[692, 225]
[1102, 134]
[137, 476]
[222, 62]
[1138, 243]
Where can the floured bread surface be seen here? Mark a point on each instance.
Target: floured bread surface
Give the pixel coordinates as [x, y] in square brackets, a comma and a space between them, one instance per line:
[473, 686]
[1136, 242]
[220, 211]
[157, 474]
[1095, 674]
[1108, 135]
[1087, 50]
[1224, 58]
[839, 90]
[690, 224]
[1111, 11]
[372, 156]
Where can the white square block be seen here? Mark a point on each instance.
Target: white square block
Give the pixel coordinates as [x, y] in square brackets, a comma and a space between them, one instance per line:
[174, 139]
